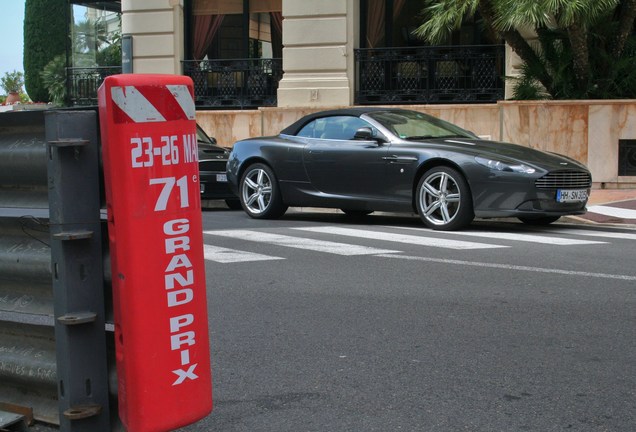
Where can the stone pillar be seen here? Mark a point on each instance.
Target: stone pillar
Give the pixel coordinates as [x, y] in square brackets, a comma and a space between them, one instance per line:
[318, 63]
[513, 64]
[157, 33]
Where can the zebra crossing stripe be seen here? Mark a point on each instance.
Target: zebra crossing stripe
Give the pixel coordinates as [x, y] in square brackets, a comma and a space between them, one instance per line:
[520, 237]
[530, 238]
[593, 233]
[401, 238]
[225, 256]
[300, 242]
[613, 211]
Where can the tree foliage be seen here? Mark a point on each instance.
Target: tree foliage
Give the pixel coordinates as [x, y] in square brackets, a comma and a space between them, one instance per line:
[583, 48]
[45, 36]
[54, 79]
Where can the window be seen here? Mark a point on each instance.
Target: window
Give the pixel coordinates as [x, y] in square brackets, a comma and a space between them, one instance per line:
[235, 29]
[627, 157]
[335, 128]
[390, 23]
[95, 36]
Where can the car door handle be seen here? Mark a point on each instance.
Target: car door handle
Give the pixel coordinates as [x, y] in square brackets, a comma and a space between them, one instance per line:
[400, 158]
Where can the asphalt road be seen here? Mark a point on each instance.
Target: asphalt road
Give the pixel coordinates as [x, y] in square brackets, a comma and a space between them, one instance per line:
[321, 323]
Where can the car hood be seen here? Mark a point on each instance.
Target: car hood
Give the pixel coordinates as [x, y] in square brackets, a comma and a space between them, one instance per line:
[507, 152]
[209, 151]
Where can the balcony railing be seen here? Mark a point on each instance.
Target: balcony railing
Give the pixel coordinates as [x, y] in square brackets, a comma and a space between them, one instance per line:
[237, 83]
[441, 74]
[448, 74]
[82, 83]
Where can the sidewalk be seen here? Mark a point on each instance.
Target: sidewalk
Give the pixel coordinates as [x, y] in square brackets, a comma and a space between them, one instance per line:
[611, 206]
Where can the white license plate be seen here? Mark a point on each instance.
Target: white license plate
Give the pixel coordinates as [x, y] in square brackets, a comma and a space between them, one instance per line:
[571, 195]
[221, 178]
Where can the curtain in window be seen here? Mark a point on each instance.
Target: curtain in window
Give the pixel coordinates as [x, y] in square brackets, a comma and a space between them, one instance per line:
[375, 19]
[276, 20]
[375, 22]
[397, 8]
[205, 28]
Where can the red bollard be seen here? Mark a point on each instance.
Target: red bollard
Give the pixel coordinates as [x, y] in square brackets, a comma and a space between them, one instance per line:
[151, 172]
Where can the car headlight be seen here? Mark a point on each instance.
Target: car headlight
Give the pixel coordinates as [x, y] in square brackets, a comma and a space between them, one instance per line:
[497, 165]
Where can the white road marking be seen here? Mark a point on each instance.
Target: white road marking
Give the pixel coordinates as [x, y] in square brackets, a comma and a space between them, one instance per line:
[400, 238]
[613, 211]
[223, 255]
[300, 242]
[531, 238]
[593, 233]
[518, 236]
[512, 267]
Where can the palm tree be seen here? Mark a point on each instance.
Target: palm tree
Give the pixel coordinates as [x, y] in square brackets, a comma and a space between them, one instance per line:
[579, 31]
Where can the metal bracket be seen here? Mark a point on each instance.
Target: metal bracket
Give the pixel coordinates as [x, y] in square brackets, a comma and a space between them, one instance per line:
[69, 142]
[12, 422]
[82, 412]
[74, 235]
[78, 318]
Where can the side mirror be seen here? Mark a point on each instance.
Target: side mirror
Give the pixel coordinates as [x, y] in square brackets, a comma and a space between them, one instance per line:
[364, 134]
[367, 134]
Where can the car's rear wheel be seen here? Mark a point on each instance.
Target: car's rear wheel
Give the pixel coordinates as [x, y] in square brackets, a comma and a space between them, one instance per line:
[259, 193]
[443, 199]
[546, 220]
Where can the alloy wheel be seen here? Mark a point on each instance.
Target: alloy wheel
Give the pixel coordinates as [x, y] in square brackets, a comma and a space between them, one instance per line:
[256, 191]
[443, 199]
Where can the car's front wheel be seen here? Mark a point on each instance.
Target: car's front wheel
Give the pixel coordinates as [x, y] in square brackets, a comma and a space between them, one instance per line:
[259, 193]
[443, 199]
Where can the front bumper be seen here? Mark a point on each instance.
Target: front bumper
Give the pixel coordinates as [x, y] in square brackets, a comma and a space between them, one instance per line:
[213, 187]
[529, 201]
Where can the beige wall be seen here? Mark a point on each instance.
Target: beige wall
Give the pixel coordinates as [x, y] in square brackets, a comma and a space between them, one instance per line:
[587, 131]
[318, 53]
[157, 33]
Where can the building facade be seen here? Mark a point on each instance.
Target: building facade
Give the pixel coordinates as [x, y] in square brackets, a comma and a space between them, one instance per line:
[258, 65]
[287, 53]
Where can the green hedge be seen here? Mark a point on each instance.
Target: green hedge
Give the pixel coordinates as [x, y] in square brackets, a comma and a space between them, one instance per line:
[45, 36]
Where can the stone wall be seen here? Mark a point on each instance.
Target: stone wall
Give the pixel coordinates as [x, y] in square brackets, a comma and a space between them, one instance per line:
[587, 131]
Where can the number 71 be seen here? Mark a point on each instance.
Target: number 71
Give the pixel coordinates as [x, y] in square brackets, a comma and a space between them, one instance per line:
[168, 185]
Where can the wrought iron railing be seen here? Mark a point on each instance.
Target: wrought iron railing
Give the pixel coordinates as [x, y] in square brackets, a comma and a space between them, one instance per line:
[82, 83]
[440, 74]
[237, 83]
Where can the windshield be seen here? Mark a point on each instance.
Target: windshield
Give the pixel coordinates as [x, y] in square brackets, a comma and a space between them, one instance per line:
[412, 125]
[204, 138]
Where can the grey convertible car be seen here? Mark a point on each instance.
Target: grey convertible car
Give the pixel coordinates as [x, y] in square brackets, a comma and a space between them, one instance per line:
[362, 160]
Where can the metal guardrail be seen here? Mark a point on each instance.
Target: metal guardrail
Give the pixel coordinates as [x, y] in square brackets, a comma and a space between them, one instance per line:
[53, 348]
